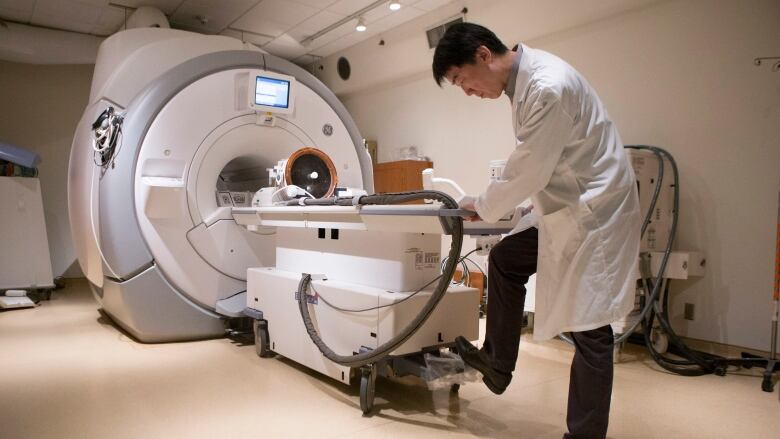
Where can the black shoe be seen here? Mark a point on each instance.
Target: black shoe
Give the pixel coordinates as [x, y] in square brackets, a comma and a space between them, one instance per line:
[496, 380]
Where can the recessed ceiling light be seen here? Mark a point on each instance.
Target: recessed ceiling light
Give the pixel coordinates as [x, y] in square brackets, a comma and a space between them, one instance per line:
[394, 6]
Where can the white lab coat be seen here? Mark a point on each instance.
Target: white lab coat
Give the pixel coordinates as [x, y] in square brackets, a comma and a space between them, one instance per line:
[570, 160]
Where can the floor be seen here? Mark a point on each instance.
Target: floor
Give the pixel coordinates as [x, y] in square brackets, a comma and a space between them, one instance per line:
[67, 372]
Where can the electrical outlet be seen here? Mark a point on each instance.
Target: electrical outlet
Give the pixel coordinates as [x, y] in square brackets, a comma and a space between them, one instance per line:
[689, 311]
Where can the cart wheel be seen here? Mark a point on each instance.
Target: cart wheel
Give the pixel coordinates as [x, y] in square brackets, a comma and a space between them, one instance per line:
[454, 388]
[660, 340]
[367, 387]
[766, 384]
[261, 339]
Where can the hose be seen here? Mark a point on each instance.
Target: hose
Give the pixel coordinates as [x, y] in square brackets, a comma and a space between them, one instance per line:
[693, 362]
[652, 296]
[384, 349]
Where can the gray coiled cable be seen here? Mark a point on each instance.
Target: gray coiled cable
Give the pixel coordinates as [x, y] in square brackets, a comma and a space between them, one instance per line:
[360, 359]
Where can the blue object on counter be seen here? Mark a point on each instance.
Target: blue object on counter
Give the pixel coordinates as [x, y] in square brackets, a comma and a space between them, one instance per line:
[19, 156]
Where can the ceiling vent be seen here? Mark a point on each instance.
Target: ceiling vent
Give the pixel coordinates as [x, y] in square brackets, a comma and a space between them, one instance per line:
[435, 33]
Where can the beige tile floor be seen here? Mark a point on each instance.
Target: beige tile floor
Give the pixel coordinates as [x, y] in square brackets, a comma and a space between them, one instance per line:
[67, 372]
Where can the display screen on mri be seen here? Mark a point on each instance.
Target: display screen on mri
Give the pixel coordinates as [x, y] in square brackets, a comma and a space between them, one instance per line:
[272, 92]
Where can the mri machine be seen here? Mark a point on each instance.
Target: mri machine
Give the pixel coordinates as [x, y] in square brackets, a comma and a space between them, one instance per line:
[208, 179]
[161, 252]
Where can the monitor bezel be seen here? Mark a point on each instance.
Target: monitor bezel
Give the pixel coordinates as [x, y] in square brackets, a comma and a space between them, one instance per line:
[255, 76]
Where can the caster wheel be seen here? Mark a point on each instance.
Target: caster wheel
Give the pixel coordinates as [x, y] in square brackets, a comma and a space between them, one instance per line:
[720, 371]
[367, 388]
[660, 340]
[262, 346]
[454, 388]
[766, 384]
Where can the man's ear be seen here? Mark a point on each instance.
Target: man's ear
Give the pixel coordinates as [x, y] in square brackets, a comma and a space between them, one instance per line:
[483, 54]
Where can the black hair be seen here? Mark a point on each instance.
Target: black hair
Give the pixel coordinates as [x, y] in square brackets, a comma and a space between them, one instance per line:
[459, 46]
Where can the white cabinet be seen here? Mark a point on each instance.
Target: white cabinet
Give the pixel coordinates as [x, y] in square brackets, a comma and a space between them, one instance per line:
[24, 246]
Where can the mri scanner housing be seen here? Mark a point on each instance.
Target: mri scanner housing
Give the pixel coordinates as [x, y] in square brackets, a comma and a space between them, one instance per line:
[164, 257]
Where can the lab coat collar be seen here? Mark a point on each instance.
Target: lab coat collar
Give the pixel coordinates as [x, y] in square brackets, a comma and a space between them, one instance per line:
[522, 70]
[512, 78]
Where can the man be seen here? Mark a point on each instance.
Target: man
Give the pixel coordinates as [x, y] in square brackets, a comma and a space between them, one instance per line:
[570, 161]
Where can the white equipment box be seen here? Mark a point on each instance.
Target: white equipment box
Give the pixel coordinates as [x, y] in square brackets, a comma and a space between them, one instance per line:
[273, 292]
[364, 260]
[24, 256]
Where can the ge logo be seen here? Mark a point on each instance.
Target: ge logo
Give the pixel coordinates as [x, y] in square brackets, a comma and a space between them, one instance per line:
[327, 129]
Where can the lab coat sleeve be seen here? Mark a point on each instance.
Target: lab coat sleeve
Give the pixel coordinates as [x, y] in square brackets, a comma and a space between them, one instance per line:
[541, 137]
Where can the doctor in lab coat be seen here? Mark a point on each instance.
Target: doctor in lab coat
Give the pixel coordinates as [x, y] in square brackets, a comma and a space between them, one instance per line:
[569, 159]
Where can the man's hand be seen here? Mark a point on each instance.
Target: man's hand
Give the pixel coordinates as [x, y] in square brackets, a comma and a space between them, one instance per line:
[467, 203]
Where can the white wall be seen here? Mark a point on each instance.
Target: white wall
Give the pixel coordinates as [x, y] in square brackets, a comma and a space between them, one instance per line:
[39, 109]
[676, 74]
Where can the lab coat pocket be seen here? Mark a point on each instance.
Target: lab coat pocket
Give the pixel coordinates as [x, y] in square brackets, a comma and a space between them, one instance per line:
[563, 235]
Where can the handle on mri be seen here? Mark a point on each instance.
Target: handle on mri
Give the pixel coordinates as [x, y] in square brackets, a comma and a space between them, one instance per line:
[429, 183]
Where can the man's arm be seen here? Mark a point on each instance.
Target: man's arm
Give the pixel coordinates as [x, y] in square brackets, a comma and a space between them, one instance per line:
[540, 142]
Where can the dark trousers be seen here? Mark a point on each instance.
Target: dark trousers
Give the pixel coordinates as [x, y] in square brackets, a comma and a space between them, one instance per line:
[512, 262]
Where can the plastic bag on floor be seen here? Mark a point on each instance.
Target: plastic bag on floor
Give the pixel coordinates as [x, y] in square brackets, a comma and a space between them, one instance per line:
[446, 369]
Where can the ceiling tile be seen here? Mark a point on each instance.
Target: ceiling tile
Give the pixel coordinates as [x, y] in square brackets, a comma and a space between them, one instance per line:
[256, 39]
[320, 21]
[17, 10]
[97, 3]
[56, 22]
[75, 15]
[341, 31]
[167, 6]
[15, 14]
[377, 13]
[342, 43]
[111, 20]
[286, 47]
[399, 17]
[232, 33]
[247, 36]
[319, 4]
[285, 14]
[218, 14]
[429, 5]
[347, 7]
[299, 34]
[260, 26]
[65, 11]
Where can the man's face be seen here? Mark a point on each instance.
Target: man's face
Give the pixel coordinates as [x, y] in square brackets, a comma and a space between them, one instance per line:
[477, 79]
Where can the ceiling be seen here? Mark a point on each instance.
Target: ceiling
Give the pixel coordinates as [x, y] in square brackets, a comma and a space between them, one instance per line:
[277, 26]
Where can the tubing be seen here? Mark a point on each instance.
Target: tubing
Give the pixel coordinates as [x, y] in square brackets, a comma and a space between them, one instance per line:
[694, 363]
[384, 350]
[652, 296]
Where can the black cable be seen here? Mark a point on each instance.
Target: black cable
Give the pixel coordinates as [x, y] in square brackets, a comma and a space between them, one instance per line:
[694, 362]
[662, 361]
[667, 252]
[360, 359]
[690, 355]
[476, 265]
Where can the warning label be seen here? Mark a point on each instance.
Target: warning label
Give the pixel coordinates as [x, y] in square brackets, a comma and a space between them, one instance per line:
[424, 260]
[431, 260]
